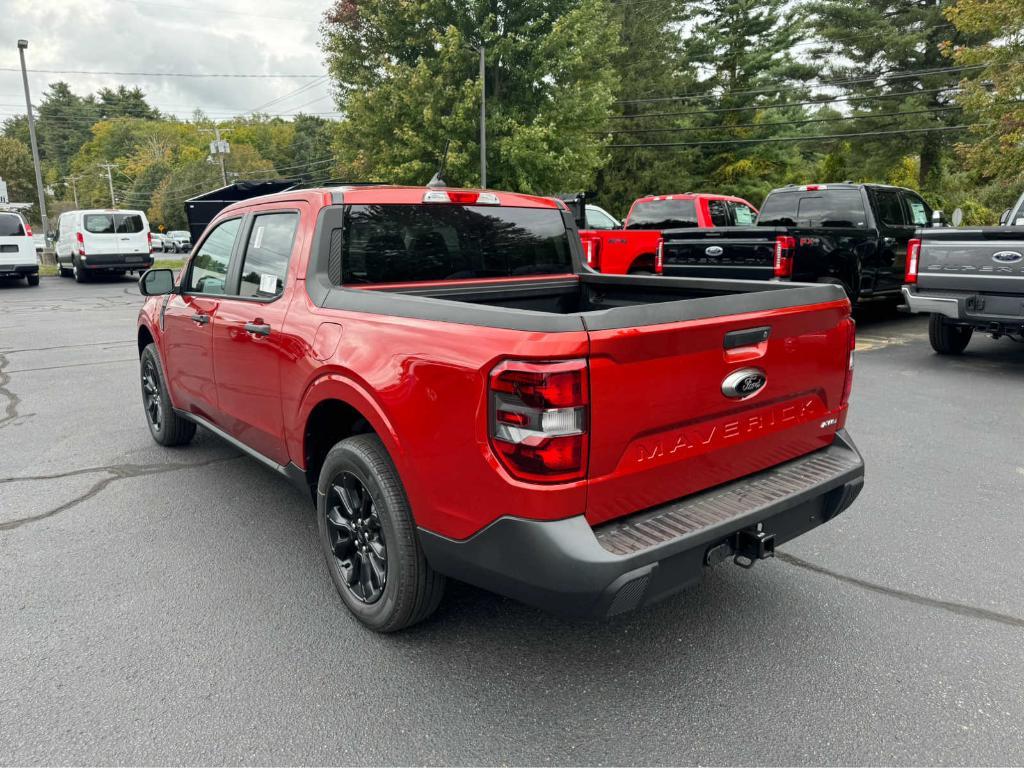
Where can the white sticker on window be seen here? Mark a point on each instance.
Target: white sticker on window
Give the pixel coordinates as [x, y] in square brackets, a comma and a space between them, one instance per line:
[268, 283]
[258, 239]
[1020, 221]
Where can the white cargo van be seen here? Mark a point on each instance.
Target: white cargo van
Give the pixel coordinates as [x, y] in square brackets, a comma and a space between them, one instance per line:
[102, 240]
[18, 257]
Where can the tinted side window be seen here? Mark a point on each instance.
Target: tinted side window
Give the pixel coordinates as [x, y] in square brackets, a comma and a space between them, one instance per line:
[663, 214]
[209, 270]
[10, 225]
[719, 213]
[266, 255]
[128, 223]
[99, 223]
[890, 211]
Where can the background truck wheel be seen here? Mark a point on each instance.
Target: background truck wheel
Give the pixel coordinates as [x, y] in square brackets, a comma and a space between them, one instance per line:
[63, 271]
[167, 427]
[32, 279]
[81, 276]
[948, 338]
[369, 538]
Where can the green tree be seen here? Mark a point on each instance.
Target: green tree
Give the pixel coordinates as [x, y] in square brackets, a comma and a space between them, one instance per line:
[16, 169]
[890, 57]
[992, 100]
[406, 78]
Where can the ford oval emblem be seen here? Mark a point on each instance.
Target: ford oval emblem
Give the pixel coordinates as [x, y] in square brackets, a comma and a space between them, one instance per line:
[1007, 257]
[744, 383]
[714, 250]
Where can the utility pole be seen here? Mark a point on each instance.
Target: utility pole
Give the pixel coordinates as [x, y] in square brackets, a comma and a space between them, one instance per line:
[219, 148]
[110, 181]
[74, 186]
[483, 120]
[22, 45]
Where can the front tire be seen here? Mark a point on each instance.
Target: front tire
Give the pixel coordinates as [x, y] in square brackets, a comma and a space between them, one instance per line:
[369, 538]
[948, 338]
[166, 427]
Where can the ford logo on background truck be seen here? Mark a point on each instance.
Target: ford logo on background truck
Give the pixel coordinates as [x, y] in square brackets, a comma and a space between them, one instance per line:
[1007, 257]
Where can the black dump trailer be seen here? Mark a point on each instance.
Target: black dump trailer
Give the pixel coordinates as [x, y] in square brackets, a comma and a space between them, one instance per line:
[201, 209]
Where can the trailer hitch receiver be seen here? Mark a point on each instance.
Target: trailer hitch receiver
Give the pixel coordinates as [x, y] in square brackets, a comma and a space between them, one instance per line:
[752, 546]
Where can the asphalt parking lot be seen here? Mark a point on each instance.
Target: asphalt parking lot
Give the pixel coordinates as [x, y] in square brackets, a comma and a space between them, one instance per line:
[172, 606]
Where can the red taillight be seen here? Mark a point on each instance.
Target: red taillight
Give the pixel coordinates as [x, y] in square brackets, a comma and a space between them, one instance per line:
[28, 229]
[848, 385]
[149, 237]
[538, 419]
[592, 252]
[81, 244]
[659, 257]
[913, 257]
[785, 246]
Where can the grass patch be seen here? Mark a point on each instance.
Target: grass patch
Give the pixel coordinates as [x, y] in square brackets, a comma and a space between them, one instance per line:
[47, 270]
[50, 270]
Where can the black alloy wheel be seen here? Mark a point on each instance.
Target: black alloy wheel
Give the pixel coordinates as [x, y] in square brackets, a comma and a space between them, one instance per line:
[357, 538]
[152, 398]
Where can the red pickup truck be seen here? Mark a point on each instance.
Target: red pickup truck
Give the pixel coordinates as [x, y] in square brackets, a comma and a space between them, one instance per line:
[636, 249]
[460, 397]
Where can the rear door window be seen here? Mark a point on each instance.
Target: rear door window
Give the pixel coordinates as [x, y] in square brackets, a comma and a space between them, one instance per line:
[11, 225]
[99, 223]
[719, 213]
[890, 209]
[663, 214]
[814, 208]
[410, 243]
[209, 270]
[128, 223]
[265, 263]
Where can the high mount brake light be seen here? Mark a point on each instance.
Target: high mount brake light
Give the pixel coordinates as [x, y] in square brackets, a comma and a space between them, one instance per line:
[460, 198]
[539, 419]
[813, 187]
[913, 258]
[785, 246]
[848, 384]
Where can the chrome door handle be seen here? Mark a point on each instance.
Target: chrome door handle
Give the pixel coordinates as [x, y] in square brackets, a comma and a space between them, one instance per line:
[200, 319]
[257, 329]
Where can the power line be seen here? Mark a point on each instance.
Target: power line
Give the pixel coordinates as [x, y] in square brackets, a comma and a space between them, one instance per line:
[721, 127]
[782, 139]
[158, 74]
[914, 92]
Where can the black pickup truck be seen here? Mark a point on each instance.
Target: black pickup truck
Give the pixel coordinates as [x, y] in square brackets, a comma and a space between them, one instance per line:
[852, 235]
[968, 280]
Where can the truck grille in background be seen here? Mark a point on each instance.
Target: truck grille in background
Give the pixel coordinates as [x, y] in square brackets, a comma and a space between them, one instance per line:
[722, 504]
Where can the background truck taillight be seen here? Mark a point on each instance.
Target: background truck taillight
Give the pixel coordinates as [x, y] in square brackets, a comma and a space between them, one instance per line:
[28, 229]
[149, 238]
[913, 257]
[592, 252]
[539, 419]
[848, 385]
[81, 243]
[659, 257]
[785, 246]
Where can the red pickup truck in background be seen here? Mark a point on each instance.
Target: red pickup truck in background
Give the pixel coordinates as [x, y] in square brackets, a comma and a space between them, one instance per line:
[636, 248]
[459, 397]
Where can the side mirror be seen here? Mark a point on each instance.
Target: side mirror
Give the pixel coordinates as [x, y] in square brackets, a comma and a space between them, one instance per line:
[958, 217]
[938, 219]
[156, 282]
[1004, 217]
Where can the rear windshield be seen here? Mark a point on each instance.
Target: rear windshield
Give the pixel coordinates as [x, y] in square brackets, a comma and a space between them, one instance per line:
[113, 223]
[824, 208]
[663, 214]
[11, 226]
[411, 243]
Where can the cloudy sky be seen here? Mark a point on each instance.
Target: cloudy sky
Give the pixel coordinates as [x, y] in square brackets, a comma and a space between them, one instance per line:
[226, 37]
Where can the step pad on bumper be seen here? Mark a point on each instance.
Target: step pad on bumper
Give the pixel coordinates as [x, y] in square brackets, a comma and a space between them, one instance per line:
[720, 505]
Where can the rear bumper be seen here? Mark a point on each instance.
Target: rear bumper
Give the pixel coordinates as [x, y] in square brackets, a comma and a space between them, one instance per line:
[570, 568]
[118, 261]
[19, 269]
[980, 310]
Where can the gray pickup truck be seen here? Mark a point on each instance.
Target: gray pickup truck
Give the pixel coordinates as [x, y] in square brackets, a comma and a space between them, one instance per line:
[969, 279]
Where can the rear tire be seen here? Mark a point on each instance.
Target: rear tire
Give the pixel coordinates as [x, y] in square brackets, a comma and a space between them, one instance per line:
[32, 279]
[80, 275]
[948, 338]
[166, 427]
[366, 530]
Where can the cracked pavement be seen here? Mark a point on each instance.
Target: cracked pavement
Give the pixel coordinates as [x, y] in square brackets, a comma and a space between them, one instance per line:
[171, 606]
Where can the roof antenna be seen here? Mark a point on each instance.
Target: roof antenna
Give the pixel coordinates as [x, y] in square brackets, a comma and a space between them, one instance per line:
[437, 181]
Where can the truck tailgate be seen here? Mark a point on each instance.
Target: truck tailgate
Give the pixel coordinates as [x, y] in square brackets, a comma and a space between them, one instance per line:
[989, 260]
[662, 426]
[729, 252]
